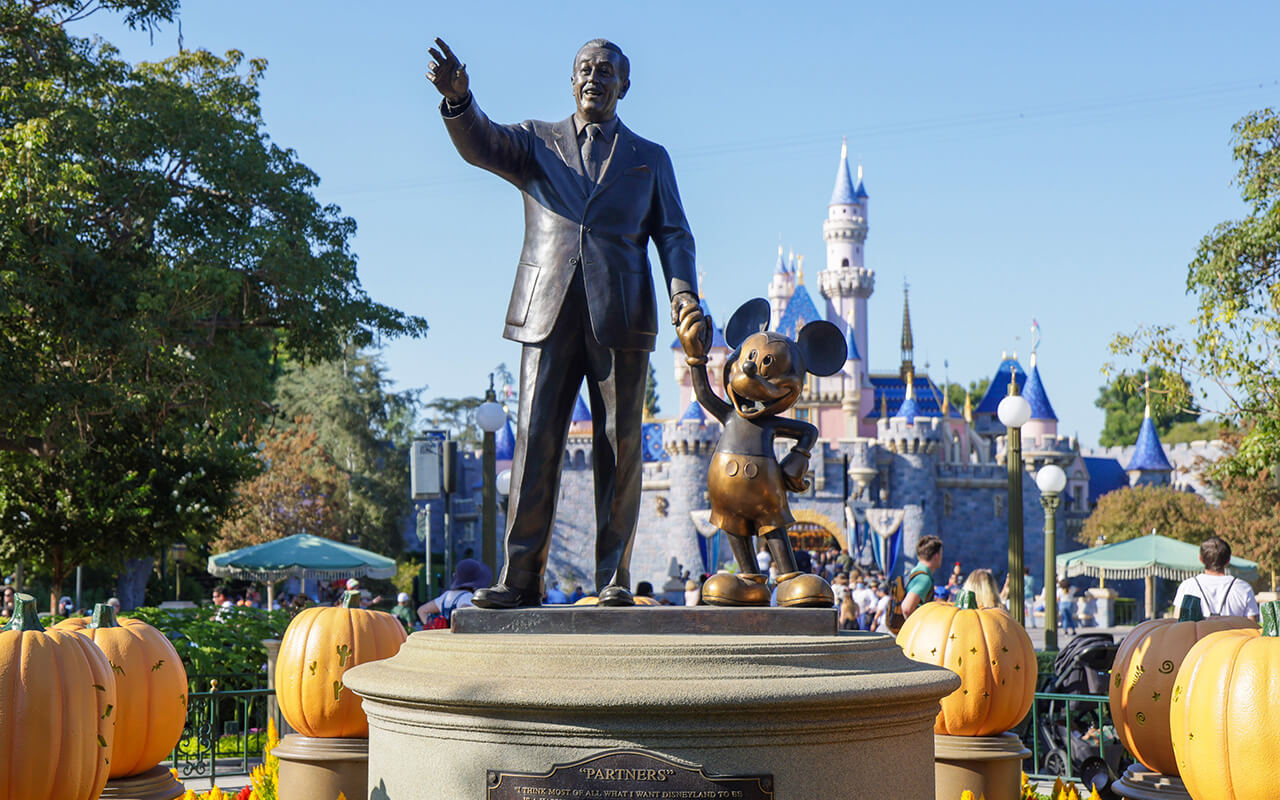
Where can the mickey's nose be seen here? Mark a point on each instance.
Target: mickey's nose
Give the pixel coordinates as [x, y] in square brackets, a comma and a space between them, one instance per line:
[749, 369]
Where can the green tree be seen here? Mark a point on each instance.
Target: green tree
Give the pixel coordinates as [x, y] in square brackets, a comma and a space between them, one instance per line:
[955, 392]
[367, 431]
[1135, 511]
[651, 394]
[1124, 403]
[157, 252]
[1236, 329]
[1249, 513]
[457, 415]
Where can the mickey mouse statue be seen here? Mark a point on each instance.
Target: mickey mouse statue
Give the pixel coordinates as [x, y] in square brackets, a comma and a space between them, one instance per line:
[763, 378]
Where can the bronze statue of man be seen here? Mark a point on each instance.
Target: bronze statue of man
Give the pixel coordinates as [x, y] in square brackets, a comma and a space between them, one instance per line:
[583, 305]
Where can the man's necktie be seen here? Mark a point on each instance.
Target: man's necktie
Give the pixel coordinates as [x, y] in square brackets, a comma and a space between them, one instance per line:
[593, 152]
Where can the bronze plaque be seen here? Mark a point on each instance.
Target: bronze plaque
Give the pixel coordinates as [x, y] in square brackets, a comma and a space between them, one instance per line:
[629, 774]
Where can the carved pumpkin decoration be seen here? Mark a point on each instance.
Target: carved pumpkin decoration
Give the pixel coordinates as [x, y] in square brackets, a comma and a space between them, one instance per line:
[1142, 680]
[991, 653]
[151, 687]
[57, 710]
[1225, 711]
[319, 646]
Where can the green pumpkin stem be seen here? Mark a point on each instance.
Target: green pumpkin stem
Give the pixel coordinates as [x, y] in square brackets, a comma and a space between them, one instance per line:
[351, 599]
[967, 600]
[1191, 610]
[25, 617]
[104, 616]
[1270, 613]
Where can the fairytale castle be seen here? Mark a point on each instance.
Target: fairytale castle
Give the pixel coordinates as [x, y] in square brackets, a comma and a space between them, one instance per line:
[893, 455]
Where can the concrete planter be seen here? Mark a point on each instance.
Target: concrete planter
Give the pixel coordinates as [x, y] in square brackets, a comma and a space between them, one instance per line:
[312, 768]
[1140, 783]
[989, 766]
[156, 783]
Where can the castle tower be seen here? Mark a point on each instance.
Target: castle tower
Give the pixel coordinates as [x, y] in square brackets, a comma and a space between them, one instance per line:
[781, 287]
[689, 441]
[846, 283]
[1043, 421]
[1149, 465]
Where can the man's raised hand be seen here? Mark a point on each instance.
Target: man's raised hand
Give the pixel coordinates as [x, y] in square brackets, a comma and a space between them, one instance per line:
[447, 73]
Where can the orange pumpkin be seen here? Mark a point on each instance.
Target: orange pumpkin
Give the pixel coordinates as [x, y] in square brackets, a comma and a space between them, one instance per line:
[151, 685]
[57, 711]
[1142, 680]
[319, 646]
[1226, 711]
[991, 653]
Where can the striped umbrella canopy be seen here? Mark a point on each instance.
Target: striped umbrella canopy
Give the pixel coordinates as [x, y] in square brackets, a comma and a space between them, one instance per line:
[1145, 556]
[301, 556]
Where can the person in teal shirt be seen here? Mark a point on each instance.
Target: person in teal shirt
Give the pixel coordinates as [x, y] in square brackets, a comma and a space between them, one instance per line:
[920, 581]
[1029, 596]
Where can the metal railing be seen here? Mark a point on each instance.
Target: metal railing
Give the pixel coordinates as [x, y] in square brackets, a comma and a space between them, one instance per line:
[223, 729]
[1065, 732]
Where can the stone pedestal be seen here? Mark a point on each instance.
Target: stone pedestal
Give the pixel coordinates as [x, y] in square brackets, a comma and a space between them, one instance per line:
[1140, 783]
[1104, 603]
[989, 766]
[156, 783]
[452, 711]
[313, 768]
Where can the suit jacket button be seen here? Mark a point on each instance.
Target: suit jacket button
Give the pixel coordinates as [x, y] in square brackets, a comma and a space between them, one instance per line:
[573, 262]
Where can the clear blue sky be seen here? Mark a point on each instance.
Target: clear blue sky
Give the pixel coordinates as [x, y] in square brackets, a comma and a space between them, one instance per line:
[1056, 161]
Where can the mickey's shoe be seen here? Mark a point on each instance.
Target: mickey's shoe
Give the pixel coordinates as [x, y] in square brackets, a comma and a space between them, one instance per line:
[804, 590]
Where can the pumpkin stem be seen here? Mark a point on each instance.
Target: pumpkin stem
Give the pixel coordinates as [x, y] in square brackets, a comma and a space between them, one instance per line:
[25, 616]
[1191, 610]
[104, 616]
[351, 599]
[1270, 613]
[967, 600]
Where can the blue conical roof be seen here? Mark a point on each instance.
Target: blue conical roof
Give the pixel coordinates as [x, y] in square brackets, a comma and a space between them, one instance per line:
[1148, 455]
[1033, 390]
[781, 267]
[694, 413]
[504, 442]
[800, 311]
[861, 191]
[908, 409]
[999, 387]
[580, 411]
[853, 346]
[843, 193]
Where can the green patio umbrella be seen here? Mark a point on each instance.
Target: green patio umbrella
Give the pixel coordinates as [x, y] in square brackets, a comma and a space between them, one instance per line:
[1150, 557]
[301, 556]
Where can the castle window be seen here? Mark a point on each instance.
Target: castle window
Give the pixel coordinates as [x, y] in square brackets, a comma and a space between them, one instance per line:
[802, 414]
[999, 506]
[844, 262]
[948, 505]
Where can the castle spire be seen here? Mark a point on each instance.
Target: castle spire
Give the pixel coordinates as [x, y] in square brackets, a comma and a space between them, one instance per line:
[800, 270]
[844, 193]
[908, 343]
[968, 407]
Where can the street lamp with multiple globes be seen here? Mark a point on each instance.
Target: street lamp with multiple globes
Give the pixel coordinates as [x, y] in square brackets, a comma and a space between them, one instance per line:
[1014, 411]
[490, 416]
[1051, 480]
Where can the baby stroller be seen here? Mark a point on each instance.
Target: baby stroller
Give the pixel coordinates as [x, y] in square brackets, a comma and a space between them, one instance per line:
[1075, 737]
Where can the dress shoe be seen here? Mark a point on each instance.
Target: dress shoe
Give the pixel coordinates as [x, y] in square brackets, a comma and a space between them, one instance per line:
[502, 596]
[614, 595]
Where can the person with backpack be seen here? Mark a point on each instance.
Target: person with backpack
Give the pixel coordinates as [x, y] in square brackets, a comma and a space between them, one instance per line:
[1220, 594]
[919, 584]
[467, 577]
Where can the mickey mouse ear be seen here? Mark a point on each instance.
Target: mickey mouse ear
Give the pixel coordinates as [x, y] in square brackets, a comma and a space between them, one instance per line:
[823, 347]
[751, 317]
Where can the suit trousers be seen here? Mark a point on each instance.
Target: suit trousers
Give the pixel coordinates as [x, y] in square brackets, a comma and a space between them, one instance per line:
[551, 373]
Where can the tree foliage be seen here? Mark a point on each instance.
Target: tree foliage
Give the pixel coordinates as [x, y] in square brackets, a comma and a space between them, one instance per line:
[366, 429]
[1124, 403]
[977, 389]
[157, 253]
[1134, 511]
[300, 490]
[1249, 515]
[1235, 277]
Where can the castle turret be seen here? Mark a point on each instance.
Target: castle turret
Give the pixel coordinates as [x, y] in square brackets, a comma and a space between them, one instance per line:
[1149, 465]
[781, 287]
[908, 341]
[689, 442]
[1043, 421]
[846, 283]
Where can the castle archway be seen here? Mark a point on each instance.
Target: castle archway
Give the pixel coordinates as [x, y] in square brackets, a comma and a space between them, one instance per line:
[813, 530]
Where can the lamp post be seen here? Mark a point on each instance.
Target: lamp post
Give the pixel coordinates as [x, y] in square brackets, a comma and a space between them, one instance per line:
[179, 550]
[1014, 411]
[1051, 480]
[490, 416]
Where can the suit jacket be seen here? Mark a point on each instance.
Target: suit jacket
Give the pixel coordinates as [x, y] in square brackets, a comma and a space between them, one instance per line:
[604, 228]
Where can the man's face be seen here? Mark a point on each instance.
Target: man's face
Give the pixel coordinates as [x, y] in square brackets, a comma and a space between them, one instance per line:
[597, 85]
[936, 561]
